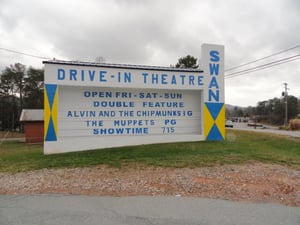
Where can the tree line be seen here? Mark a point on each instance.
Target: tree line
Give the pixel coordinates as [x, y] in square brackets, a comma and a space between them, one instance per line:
[270, 111]
[20, 88]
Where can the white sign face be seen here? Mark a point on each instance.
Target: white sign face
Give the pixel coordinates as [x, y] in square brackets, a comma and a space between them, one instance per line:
[93, 106]
[113, 112]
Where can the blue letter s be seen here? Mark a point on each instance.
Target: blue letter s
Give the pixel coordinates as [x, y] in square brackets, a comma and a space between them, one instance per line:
[214, 56]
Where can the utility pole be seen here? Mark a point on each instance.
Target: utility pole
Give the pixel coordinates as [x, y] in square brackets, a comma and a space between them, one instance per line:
[286, 103]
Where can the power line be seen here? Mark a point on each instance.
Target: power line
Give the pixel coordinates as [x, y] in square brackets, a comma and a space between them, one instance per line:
[268, 56]
[264, 66]
[261, 68]
[22, 53]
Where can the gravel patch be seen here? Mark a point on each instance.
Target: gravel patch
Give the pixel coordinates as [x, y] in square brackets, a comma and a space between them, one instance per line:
[251, 183]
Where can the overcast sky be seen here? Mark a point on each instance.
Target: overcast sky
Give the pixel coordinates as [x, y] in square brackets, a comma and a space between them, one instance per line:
[158, 32]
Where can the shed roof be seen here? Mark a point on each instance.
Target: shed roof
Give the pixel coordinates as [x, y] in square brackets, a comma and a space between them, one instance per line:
[32, 115]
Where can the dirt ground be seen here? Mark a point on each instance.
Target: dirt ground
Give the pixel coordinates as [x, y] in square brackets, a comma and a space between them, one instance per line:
[251, 183]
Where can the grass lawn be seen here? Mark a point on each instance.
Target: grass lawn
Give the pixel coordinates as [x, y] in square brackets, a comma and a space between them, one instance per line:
[240, 147]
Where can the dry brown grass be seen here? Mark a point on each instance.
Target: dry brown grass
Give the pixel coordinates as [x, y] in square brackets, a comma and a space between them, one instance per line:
[10, 134]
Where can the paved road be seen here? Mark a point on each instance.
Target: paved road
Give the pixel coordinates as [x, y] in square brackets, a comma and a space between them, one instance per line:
[91, 210]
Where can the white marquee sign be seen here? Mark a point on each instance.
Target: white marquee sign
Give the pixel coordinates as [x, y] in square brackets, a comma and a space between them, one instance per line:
[93, 106]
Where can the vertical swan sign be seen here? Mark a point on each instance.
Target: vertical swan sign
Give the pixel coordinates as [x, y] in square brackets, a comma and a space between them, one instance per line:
[98, 105]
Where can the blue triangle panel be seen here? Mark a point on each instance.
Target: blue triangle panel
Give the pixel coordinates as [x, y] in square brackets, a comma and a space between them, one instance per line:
[214, 134]
[214, 109]
[50, 89]
[51, 135]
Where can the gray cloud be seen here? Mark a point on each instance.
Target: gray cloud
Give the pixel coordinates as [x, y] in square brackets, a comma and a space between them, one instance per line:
[156, 32]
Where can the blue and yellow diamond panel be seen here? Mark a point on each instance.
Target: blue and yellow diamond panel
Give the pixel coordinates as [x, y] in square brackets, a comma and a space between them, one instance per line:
[214, 121]
[50, 112]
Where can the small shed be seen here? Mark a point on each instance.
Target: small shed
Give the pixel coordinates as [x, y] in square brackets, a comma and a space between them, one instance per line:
[33, 121]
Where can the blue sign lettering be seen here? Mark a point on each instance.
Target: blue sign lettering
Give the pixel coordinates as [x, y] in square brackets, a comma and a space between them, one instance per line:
[214, 56]
[73, 74]
[61, 75]
[102, 76]
[213, 95]
[213, 69]
[213, 83]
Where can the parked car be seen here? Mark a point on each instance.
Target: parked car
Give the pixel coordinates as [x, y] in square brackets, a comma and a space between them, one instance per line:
[229, 123]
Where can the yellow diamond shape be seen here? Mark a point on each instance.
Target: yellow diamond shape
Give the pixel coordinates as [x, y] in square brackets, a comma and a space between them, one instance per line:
[220, 121]
[208, 121]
